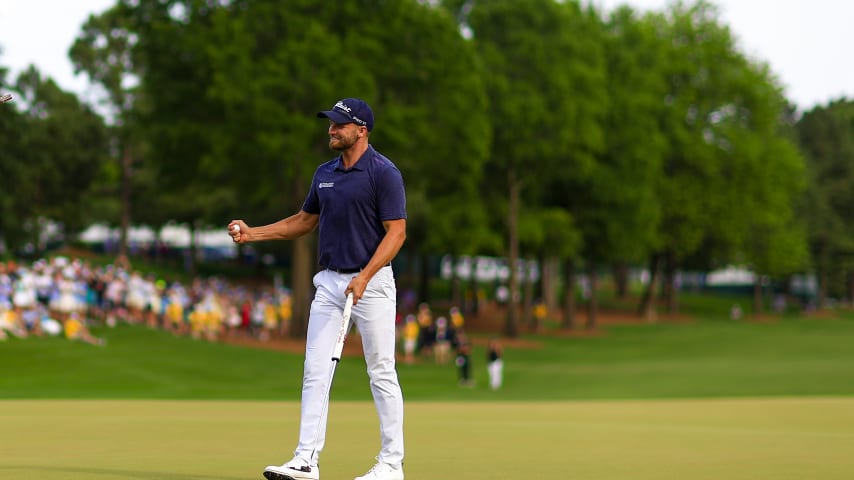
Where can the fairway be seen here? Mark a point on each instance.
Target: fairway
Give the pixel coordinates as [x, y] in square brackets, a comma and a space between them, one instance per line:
[706, 359]
[750, 439]
[695, 401]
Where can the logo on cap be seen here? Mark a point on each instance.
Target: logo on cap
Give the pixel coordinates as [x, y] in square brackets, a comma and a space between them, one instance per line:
[350, 110]
[343, 106]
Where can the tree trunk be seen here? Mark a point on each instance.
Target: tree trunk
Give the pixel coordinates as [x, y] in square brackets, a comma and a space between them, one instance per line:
[669, 292]
[510, 326]
[190, 265]
[621, 280]
[551, 270]
[473, 305]
[757, 296]
[122, 257]
[303, 289]
[821, 294]
[424, 279]
[457, 291]
[304, 265]
[528, 317]
[569, 297]
[851, 289]
[592, 304]
[647, 306]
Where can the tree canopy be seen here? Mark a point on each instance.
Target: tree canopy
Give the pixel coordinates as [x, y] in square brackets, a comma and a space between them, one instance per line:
[545, 129]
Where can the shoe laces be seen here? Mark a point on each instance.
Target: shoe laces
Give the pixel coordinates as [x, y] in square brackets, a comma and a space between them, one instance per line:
[380, 467]
[297, 463]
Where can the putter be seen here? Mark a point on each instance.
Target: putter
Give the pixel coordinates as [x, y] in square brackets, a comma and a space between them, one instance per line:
[336, 357]
[5, 98]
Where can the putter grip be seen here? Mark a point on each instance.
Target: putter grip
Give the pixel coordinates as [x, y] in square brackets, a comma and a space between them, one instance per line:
[342, 333]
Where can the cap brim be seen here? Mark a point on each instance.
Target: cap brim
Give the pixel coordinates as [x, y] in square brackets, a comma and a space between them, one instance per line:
[336, 117]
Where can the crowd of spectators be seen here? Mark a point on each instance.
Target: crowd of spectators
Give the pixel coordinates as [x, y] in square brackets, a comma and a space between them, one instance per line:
[65, 296]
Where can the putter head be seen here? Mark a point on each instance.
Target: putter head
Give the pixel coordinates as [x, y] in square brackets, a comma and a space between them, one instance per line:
[5, 97]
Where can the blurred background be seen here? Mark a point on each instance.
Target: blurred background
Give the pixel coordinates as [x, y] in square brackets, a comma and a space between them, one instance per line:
[563, 160]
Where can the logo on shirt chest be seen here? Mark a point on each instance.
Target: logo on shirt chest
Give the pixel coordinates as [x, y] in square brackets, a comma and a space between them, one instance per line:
[325, 184]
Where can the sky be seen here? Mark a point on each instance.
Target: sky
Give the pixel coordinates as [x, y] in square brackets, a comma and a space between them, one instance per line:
[803, 41]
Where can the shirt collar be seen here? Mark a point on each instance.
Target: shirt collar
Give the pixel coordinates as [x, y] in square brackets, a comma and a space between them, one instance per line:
[339, 166]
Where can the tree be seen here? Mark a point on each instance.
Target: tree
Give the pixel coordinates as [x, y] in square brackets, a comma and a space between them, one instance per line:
[723, 119]
[280, 64]
[540, 85]
[431, 107]
[15, 210]
[411, 65]
[616, 206]
[52, 163]
[825, 136]
[182, 114]
[765, 178]
[104, 51]
[547, 232]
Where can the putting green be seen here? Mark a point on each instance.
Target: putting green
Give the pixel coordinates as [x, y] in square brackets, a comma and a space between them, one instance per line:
[732, 439]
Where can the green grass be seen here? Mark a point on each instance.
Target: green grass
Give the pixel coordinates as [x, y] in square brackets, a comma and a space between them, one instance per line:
[702, 359]
[705, 400]
[744, 439]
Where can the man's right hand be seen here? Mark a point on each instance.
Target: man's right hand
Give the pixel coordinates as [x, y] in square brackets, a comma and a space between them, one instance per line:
[239, 231]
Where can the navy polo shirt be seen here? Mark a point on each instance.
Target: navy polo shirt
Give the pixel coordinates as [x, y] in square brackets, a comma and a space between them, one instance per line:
[352, 205]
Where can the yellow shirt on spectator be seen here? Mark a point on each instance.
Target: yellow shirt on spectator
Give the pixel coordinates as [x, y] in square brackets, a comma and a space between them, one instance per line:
[410, 331]
[73, 327]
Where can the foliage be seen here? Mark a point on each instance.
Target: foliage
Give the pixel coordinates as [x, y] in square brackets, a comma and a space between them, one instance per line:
[53, 154]
[826, 135]
[726, 151]
[547, 128]
[618, 207]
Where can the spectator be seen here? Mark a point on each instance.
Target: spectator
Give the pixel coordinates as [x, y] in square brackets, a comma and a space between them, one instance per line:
[427, 330]
[232, 318]
[10, 322]
[115, 298]
[410, 338]
[136, 298]
[75, 329]
[258, 310]
[442, 348]
[495, 363]
[541, 311]
[65, 300]
[457, 319]
[285, 309]
[24, 301]
[463, 362]
[271, 318]
[174, 311]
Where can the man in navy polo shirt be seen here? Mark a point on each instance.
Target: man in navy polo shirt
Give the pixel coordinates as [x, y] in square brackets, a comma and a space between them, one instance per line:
[358, 204]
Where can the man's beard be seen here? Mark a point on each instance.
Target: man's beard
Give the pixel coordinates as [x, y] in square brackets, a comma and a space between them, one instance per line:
[342, 142]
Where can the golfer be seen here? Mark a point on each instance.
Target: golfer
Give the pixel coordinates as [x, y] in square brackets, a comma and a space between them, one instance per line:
[358, 203]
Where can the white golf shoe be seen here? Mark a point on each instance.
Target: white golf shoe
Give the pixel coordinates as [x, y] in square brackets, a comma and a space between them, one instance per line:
[296, 469]
[383, 471]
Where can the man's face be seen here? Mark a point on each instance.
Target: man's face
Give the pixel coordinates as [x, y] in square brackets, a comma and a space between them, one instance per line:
[343, 135]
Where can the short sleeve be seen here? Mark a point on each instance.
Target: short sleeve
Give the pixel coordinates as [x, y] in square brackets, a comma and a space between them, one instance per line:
[391, 195]
[312, 203]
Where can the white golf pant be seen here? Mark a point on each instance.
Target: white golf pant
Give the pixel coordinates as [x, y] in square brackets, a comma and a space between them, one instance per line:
[374, 316]
[495, 369]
